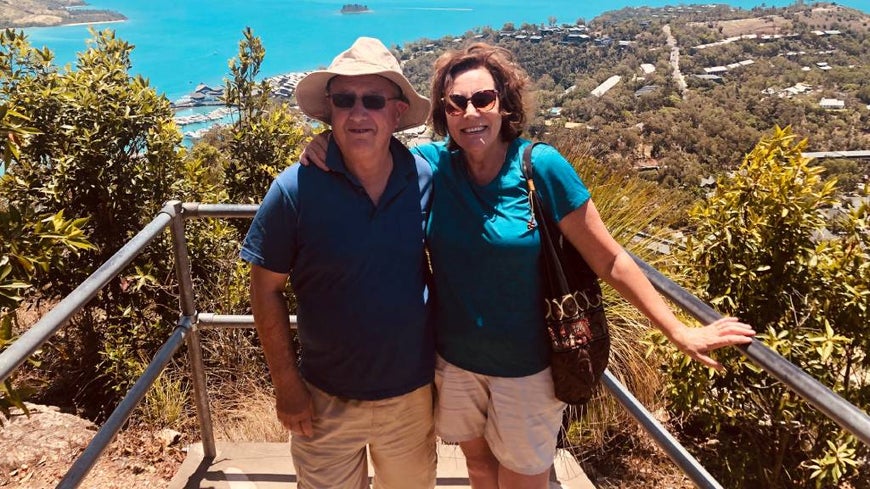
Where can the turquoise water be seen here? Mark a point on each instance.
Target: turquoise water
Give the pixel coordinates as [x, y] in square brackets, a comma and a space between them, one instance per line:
[182, 43]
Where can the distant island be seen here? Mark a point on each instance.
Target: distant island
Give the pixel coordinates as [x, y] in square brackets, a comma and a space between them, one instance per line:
[48, 13]
[354, 8]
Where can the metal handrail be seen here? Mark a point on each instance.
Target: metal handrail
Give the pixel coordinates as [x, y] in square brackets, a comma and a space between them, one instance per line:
[39, 333]
[119, 416]
[174, 213]
[841, 411]
[675, 451]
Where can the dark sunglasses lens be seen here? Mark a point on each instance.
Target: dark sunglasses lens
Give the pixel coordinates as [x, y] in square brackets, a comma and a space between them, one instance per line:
[374, 102]
[484, 99]
[343, 100]
[456, 104]
[347, 100]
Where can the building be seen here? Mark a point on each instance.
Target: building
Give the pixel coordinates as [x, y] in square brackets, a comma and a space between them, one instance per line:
[832, 104]
[607, 85]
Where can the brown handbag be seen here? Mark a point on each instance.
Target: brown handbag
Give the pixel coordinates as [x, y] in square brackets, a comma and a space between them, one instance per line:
[574, 313]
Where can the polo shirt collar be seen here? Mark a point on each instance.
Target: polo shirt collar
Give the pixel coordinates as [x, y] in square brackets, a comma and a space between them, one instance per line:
[404, 168]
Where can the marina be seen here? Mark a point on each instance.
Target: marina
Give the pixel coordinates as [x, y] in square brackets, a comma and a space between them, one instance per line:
[204, 108]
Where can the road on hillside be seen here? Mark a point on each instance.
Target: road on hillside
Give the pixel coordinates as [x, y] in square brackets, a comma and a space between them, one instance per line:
[675, 59]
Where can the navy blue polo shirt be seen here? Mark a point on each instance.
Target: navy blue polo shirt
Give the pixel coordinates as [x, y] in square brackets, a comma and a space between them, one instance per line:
[357, 271]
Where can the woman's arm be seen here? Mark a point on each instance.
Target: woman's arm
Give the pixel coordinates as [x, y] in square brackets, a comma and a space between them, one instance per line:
[586, 231]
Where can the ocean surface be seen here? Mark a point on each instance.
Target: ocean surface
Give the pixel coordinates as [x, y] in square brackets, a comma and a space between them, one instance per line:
[179, 44]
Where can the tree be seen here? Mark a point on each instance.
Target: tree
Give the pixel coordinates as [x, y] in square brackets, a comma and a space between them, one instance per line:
[105, 150]
[756, 255]
[31, 243]
[266, 138]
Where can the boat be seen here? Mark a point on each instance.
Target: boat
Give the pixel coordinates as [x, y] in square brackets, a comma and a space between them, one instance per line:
[354, 8]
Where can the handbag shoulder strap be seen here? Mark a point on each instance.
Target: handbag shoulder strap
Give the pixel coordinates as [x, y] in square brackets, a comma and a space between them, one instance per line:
[547, 227]
[527, 160]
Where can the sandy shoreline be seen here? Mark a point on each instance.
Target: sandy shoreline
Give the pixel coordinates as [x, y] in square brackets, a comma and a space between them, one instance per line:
[89, 23]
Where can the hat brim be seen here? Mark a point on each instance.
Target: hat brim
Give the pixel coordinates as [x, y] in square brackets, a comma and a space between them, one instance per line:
[311, 95]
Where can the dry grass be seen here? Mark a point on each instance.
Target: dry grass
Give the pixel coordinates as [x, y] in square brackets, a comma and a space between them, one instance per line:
[769, 24]
[627, 205]
[821, 17]
[247, 416]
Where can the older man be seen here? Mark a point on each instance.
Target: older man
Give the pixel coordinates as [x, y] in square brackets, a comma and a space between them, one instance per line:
[351, 243]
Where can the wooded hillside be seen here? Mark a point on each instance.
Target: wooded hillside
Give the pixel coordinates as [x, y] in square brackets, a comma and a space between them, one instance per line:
[31, 13]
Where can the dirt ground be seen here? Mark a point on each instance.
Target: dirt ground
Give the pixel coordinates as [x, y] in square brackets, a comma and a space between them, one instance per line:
[822, 18]
[36, 451]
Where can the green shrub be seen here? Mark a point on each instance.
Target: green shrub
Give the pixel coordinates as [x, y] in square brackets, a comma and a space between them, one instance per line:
[759, 252]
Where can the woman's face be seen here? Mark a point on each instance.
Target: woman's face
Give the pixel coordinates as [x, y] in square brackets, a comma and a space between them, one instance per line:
[476, 125]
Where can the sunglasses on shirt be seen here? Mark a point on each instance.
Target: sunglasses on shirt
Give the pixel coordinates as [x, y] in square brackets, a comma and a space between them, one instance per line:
[456, 104]
[370, 102]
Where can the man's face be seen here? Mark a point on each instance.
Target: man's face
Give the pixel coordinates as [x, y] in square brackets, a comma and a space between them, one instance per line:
[360, 131]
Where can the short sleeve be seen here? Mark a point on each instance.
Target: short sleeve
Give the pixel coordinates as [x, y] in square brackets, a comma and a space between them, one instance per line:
[432, 153]
[560, 186]
[271, 241]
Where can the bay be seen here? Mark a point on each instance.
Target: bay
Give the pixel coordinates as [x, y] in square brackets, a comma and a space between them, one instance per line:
[179, 44]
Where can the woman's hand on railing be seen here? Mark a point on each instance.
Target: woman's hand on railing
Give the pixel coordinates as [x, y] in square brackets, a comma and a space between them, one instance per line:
[698, 342]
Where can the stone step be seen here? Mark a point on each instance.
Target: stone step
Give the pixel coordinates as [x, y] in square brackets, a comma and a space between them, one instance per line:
[268, 466]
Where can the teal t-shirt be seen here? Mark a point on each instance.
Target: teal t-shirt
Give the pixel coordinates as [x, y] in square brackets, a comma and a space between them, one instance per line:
[487, 295]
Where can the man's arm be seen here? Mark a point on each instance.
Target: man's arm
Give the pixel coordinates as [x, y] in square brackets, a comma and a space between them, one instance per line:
[292, 398]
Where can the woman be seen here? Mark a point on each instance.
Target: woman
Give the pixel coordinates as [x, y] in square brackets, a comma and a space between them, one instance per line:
[495, 393]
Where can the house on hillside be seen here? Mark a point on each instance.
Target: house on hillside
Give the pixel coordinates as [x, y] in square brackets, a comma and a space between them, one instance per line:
[646, 90]
[832, 104]
[576, 38]
[607, 85]
[647, 68]
[713, 70]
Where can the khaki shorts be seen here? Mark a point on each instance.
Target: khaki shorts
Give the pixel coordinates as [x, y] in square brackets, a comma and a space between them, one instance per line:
[519, 417]
[398, 432]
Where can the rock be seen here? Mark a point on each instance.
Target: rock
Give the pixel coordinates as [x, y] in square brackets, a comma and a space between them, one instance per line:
[45, 435]
[169, 437]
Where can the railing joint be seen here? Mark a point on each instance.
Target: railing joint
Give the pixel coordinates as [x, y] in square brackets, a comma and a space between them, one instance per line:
[188, 321]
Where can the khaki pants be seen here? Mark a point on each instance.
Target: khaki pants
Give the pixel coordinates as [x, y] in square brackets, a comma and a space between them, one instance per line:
[398, 432]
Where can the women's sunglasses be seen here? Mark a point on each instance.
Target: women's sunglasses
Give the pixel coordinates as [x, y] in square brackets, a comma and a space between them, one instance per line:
[370, 102]
[456, 104]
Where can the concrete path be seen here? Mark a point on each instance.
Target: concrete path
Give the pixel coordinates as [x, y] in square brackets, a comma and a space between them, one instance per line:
[675, 58]
[268, 466]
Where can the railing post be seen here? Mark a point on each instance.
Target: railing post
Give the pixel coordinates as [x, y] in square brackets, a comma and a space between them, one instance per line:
[194, 348]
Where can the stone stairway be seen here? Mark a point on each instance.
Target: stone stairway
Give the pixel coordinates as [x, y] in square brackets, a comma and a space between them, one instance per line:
[268, 466]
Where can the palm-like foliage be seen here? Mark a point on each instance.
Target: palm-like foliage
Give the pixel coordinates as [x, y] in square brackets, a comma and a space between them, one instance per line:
[636, 213]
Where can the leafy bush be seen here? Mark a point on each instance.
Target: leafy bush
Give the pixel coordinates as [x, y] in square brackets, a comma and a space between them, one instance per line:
[105, 153]
[31, 244]
[265, 139]
[760, 253]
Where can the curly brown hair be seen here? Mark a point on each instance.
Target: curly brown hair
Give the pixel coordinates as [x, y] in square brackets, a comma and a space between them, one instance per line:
[511, 82]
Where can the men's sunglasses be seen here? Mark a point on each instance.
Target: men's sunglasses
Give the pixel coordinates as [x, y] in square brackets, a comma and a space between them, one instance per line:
[456, 104]
[370, 102]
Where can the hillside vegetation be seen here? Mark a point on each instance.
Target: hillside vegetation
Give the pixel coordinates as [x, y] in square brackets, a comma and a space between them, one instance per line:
[45, 13]
[91, 154]
[676, 136]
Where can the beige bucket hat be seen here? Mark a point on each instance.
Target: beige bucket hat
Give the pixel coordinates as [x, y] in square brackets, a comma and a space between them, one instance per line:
[367, 56]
